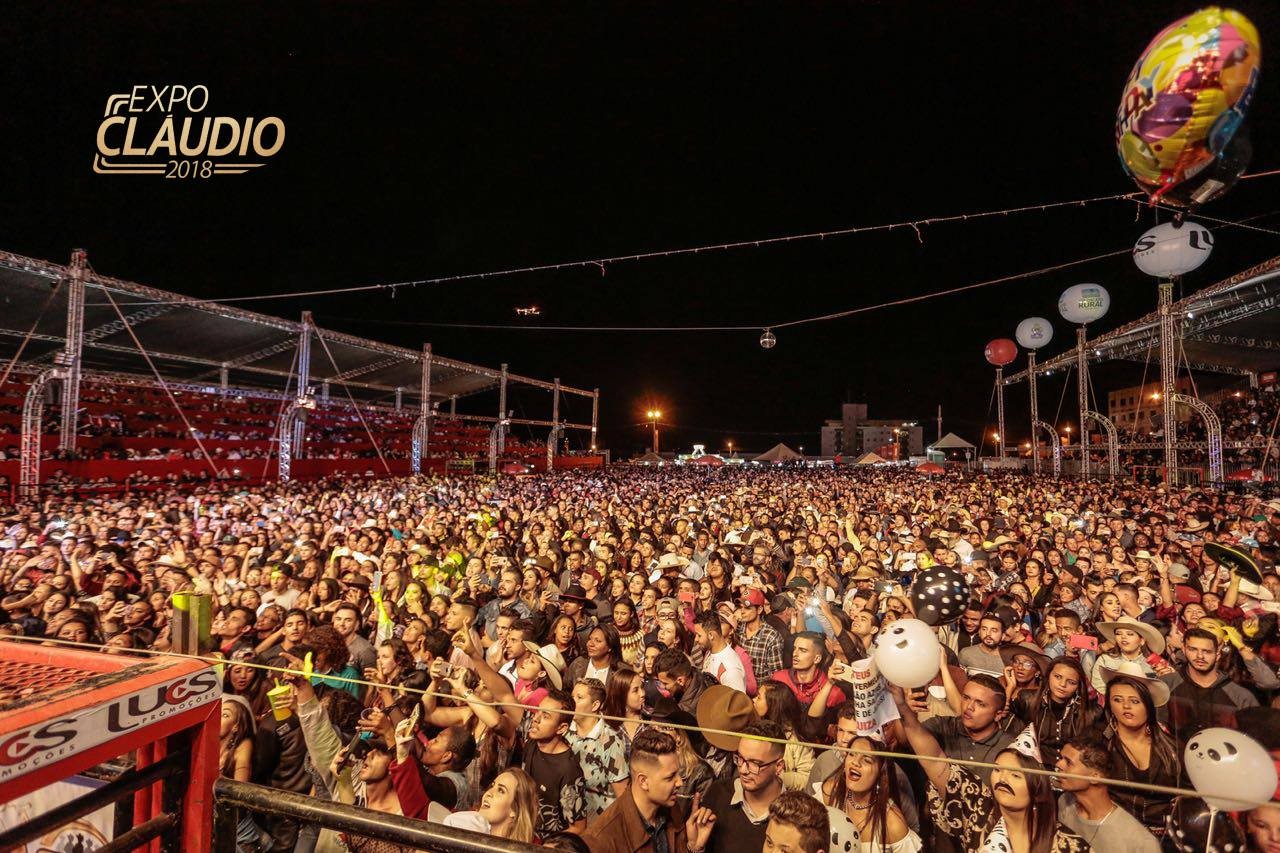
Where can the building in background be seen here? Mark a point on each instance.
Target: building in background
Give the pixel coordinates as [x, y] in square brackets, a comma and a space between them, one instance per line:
[1133, 409]
[854, 434]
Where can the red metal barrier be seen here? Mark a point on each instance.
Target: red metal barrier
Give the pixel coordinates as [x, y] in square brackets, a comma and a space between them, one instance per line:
[66, 710]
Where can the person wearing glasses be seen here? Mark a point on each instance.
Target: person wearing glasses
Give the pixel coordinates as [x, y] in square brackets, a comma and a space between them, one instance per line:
[742, 804]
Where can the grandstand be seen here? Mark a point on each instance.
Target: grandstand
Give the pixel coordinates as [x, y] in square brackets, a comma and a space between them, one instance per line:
[145, 385]
[1226, 329]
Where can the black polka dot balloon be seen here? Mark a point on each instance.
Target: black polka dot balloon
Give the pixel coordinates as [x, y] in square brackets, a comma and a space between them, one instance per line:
[939, 595]
[1191, 827]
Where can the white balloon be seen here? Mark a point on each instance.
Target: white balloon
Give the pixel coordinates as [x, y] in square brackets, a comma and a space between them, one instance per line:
[1034, 332]
[1084, 303]
[907, 653]
[1224, 761]
[1168, 250]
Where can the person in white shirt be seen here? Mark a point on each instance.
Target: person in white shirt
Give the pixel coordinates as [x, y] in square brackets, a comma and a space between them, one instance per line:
[280, 592]
[721, 661]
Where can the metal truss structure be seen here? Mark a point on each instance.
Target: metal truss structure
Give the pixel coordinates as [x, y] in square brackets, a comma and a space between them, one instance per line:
[1113, 443]
[1054, 444]
[1216, 329]
[88, 336]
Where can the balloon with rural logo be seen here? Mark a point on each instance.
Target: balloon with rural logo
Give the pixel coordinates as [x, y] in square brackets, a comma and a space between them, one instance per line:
[1179, 127]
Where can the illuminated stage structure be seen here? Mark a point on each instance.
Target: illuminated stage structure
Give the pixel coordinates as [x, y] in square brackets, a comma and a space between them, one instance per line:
[1225, 328]
[68, 325]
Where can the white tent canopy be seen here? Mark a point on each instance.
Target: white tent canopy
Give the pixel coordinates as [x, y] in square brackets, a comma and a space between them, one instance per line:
[778, 453]
[651, 458]
[870, 459]
[951, 441]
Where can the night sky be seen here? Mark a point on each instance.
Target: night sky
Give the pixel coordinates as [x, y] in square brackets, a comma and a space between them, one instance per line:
[431, 139]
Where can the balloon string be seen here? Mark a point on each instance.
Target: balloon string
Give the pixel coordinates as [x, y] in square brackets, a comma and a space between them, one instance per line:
[878, 753]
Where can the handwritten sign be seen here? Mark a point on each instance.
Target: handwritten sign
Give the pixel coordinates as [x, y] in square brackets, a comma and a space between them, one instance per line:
[874, 706]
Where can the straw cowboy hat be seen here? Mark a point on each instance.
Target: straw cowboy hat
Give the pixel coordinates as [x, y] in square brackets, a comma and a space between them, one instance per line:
[1158, 689]
[1153, 638]
[552, 662]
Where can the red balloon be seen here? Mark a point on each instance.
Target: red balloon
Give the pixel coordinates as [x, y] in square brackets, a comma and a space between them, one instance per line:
[1001, 351]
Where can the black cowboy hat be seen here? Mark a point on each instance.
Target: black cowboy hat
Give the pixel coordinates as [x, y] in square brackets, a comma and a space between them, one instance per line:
[1238, 562]
[575, 592]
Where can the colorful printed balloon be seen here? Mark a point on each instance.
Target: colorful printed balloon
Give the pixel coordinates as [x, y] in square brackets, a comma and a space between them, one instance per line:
[1001, 352]
[1177, 128]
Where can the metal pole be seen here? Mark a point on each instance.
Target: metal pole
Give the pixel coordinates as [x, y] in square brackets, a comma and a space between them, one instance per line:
[422, 431]
[453, 406]
[1000, 409]
[399, 399]
[1168, 371]
[224, 377]
[595, 416]
[299, 424]
[392, 829]
[555, 419]
[1082, 399]
[75, 344]
[939, 422]
[502, 412]
[32, 421]
[1035, 412]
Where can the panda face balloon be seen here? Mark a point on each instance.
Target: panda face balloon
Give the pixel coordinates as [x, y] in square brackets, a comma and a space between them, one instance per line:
[1226, 762]
[907, 653]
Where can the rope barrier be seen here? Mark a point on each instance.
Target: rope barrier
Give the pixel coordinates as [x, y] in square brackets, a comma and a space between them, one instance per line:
[909, 756]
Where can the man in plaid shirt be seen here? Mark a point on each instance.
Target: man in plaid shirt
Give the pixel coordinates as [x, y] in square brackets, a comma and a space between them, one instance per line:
[761, 640]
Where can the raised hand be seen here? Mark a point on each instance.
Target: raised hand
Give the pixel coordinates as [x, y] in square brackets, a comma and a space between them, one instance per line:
[699, 825]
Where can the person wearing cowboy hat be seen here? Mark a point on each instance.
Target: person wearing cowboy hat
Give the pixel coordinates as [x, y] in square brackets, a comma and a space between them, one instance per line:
[1202, 695]
[1025, 668]
[1136, 642]
[537, 670]
[581, 608]
[1141, 749]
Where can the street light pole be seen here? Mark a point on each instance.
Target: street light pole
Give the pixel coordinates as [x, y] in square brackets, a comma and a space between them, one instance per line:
[653, 415]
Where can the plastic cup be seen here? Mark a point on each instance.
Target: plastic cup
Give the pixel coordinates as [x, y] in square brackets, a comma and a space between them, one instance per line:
[278, 696]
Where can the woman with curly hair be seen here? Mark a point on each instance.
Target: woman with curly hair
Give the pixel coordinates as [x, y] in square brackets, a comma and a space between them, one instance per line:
[394, 662]
[332, 661]
[1059, 709]
[563, 634]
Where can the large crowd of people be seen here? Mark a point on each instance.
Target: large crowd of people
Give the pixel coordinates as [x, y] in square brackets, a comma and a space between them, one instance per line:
[675, 660]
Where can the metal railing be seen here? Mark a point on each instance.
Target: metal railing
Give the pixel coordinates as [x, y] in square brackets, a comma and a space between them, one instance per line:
[125, 785]
[230, 796]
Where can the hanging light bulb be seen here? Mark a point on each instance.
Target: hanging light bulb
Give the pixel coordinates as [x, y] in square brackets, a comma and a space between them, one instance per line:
[767, 339]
